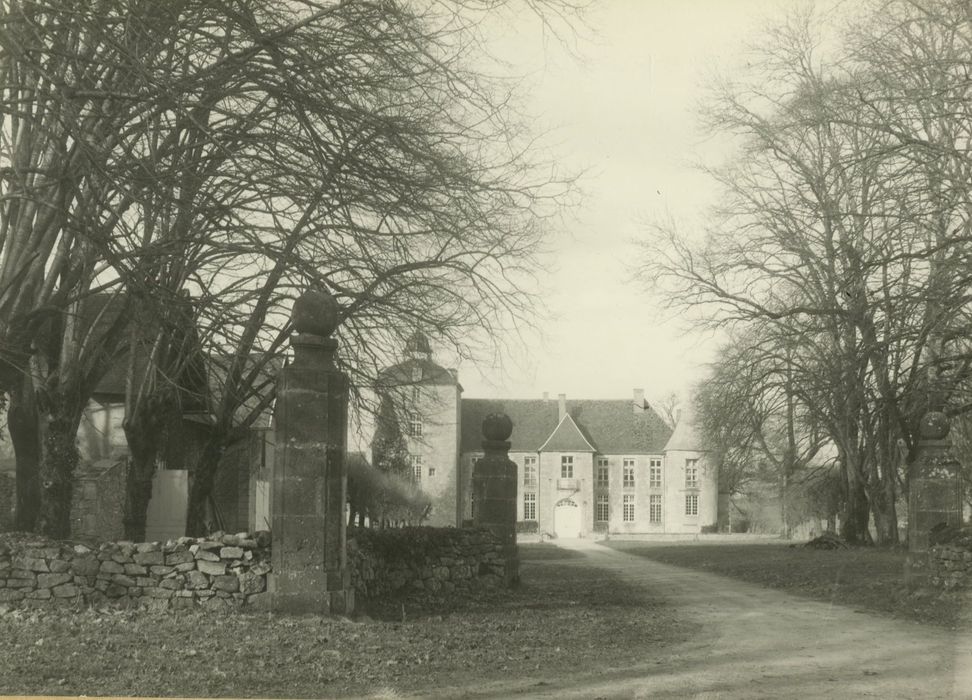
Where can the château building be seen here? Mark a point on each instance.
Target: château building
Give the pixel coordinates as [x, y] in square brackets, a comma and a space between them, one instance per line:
[583, 466]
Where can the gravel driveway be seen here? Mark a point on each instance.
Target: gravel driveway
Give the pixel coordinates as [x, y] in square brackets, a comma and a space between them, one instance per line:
[760, 643]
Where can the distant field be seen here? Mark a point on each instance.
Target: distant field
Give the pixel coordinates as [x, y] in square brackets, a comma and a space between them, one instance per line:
[864, 578]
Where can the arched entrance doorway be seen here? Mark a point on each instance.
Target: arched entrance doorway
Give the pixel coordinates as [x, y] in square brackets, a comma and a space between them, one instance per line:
[567, 518]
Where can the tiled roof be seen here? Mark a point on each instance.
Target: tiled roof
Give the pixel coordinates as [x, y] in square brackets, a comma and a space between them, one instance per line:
[567, 437]
[610, 426]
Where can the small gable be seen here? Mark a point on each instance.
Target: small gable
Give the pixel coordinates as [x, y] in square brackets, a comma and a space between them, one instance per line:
[567, 437]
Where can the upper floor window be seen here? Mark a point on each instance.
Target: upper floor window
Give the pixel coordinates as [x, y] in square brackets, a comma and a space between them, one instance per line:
[414, 425]
[629, 472]
[416, 462]
[529, 471]
[566, 467]
[691, 473]
[655, 473]
[602, 476]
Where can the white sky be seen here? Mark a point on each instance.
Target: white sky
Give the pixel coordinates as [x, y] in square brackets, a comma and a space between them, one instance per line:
[623, 110]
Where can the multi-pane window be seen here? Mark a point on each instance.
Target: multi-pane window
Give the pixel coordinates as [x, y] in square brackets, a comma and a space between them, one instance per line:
[691, 473]
[655, 473]
[691, 504]
[655, 508]
[529, 471]
[414, 425]
[416, 462]
[566, 467]
[628, 504]
[601, 473]
[529, 506]
[431, 471]
[602, 477]
[601, 508]
[629, 472]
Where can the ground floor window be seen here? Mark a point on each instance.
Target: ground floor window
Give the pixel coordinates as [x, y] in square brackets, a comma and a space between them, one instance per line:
[416, 461]
[601, 508]
[529, 506]
[629, 508]
[691, 504]
[654, 508]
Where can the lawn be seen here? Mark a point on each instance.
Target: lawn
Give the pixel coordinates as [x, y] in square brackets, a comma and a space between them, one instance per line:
[561, 619]
[863, 578]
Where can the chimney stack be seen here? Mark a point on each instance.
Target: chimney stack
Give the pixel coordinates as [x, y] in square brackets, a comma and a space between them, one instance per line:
[546, 396]
[639, 401]
[678, 416]
[562, 401]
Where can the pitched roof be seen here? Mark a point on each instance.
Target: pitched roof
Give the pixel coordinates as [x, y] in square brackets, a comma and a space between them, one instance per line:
[609, 426]
[567, 437]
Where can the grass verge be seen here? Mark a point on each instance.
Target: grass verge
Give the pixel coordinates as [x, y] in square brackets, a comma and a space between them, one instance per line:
[864, 578]
[562, 619]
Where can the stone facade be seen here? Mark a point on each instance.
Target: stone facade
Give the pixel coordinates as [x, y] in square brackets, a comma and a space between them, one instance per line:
[634, 476]
[436, 447]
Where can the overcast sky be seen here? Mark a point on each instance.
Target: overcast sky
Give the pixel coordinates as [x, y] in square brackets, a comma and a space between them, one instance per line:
[622, 109]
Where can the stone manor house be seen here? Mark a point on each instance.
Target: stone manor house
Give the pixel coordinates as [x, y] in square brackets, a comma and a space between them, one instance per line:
[584, 466]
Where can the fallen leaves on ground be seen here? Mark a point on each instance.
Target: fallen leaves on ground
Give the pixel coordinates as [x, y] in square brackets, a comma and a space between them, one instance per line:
[561, 619]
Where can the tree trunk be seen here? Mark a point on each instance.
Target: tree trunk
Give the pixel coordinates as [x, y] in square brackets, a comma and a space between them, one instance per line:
[24, 426]
[201, 483]
[855, 515]
[59, 459]
[138, 485]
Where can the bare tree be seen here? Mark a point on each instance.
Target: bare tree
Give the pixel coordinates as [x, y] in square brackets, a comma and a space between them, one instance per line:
[239, 152]
[839, 224]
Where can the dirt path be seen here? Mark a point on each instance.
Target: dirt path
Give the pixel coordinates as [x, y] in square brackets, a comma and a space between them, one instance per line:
[759, 643]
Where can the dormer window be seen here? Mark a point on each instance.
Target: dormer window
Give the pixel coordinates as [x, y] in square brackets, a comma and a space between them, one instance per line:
[416, 374]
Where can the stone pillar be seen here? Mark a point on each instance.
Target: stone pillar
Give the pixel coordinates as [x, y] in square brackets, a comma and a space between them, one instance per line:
[309, 557]
[934, 495]
[494, 490]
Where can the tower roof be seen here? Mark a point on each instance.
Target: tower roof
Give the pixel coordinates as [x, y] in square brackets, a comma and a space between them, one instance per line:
[684, 438]
[418, 342]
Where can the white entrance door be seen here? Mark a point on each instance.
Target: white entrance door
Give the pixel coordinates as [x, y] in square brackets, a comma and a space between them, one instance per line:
[567, 518]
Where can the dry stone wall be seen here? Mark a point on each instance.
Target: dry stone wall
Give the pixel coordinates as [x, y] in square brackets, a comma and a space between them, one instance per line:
[220, 571]
[224, 571]
[424, 559]
[951, 561]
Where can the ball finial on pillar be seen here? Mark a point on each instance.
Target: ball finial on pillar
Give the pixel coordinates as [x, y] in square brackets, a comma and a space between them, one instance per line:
[497, 427]
[315, 312]
[934, 426]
